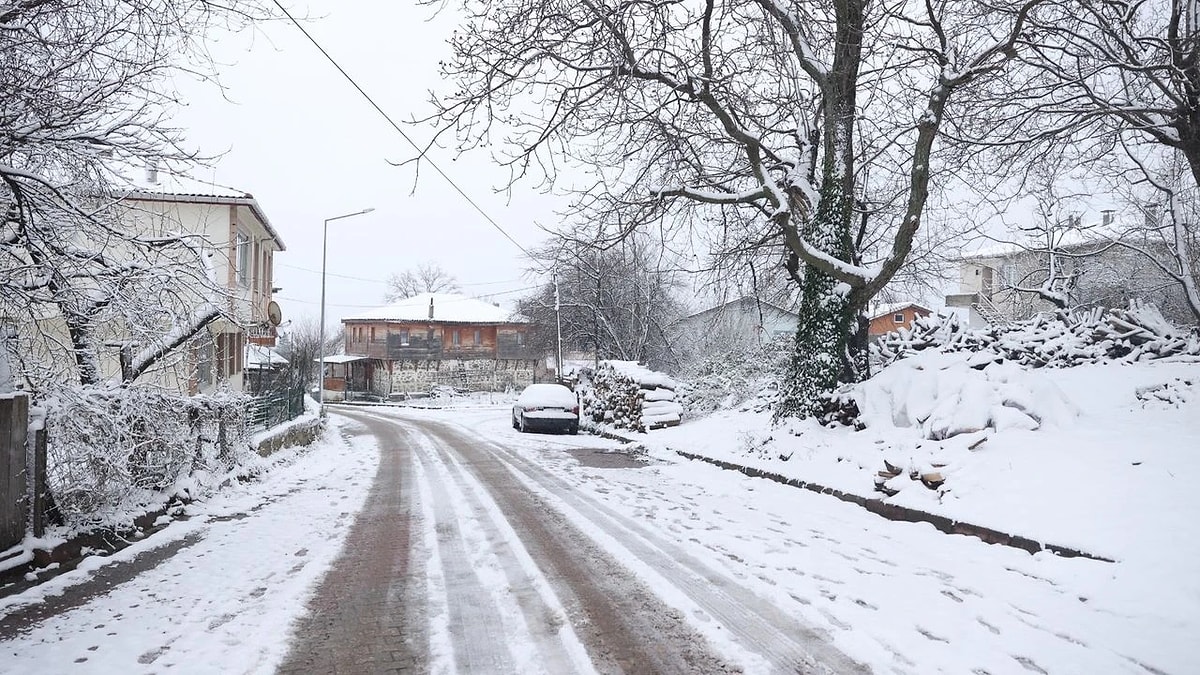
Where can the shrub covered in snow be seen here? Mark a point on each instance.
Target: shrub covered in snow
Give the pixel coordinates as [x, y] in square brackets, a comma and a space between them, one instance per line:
[110, 450]
[737, 377]
[628, 395]
[945, 395]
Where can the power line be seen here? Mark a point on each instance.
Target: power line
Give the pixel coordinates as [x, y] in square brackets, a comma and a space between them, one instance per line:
[384, 281]
[374, 306]
[420, 153]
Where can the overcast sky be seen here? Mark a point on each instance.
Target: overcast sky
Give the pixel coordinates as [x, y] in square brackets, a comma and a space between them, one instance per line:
[296, 135]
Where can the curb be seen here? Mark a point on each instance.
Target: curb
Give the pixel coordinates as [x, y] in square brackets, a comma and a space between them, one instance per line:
[905, 514]
[69, 554]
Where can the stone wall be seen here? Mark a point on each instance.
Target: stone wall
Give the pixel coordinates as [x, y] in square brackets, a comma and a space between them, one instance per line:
[471, 375]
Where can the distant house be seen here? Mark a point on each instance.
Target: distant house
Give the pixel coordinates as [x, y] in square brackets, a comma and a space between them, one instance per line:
[738, 324]
[433, 339]
[746, 320]
[998, 285]
[894, 316]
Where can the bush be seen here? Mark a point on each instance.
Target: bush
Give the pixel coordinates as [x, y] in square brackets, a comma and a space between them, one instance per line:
[112, 449]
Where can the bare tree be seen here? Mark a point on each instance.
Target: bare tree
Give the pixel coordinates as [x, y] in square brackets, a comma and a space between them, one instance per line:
[82, 97]
[614, 302]
[810, 124]
[1117, 85]
[300, 344]
[426, 278]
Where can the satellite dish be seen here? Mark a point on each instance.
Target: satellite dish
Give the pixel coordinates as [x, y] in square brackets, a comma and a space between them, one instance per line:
[274, 315]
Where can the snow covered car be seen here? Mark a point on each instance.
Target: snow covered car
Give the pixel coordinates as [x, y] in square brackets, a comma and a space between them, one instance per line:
[546, 407]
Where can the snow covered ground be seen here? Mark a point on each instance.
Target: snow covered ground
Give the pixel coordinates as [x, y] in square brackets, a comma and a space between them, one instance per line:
[1110, 470]
[244, 562]
[1107, 471]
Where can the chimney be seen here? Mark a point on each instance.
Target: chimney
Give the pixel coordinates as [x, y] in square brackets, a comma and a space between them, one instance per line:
[431, 308]
[1107, 215]
[152, 174]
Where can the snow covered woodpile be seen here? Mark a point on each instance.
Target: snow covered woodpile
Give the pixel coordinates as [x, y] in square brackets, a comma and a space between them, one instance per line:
[1139, 333]
[628, 395]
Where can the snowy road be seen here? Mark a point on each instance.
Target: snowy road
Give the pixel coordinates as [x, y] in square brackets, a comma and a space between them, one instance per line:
[444, 541]
[487, 553]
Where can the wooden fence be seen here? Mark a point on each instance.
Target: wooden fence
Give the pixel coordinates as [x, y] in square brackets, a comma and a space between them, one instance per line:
[23, 491]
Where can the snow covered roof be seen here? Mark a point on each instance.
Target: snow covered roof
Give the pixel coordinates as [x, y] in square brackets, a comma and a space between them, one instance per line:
[259, 357]
[160, 186]
[1086, 237]
[340, 358]
[893, 307]
[439, 307]
[745, 299]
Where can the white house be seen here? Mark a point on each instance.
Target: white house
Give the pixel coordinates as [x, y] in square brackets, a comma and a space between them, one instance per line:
[240, 244]
[225, 270]
[999, 284]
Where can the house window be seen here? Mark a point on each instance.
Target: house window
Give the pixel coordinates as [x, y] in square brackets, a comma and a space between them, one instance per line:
[242, 253]
[372, 333]
[404, 336]
[898, 317]
[456, 338]
[204, 362]
[478, 336]
[520, 339]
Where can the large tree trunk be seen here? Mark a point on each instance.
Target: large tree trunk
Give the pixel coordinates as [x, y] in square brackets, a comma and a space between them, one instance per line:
[822, 356]
[827, 335]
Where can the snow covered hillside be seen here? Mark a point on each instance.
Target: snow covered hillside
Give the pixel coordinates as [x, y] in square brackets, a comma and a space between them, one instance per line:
[1103, 458]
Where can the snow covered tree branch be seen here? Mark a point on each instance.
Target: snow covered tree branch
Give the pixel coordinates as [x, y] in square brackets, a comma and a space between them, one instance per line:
[811, 125]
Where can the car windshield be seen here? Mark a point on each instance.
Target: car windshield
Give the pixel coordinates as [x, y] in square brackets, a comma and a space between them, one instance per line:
[546, 395]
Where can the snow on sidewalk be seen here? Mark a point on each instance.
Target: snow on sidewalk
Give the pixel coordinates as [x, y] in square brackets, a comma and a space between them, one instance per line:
[226, 599]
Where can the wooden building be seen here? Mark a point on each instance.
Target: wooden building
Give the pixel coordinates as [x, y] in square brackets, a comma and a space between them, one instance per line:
[436, 339]
[894, 316]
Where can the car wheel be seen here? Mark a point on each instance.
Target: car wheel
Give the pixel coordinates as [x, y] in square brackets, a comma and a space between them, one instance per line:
[523, 429]
[573, 429]
[514, 422]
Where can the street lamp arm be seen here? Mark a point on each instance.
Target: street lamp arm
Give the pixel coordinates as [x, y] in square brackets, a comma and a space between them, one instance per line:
[321, 344]
[348, 215]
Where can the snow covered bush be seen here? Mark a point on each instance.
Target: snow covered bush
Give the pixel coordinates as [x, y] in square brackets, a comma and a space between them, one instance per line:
[730, 379]
[628, 395]
[945, 395]
[112, 450]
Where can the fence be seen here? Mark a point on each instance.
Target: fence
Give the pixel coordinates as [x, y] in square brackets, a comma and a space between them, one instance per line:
[273, 408]
[23, 492]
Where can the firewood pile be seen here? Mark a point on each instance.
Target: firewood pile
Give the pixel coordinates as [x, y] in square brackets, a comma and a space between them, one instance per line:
[931, 477]
[627, 395]
[1138, 333]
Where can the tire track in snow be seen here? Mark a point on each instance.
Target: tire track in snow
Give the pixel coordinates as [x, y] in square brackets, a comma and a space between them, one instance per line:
[476, 628]
[753, 622]
[625, 626]
[558, 649]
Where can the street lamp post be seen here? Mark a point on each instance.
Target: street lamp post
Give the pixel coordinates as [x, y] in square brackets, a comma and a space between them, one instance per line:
[321, 344]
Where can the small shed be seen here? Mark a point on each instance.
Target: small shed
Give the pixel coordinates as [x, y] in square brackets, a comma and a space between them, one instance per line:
[890, 317]
[264, 368]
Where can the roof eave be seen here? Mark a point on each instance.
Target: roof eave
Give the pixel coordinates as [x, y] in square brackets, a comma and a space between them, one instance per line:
[248, 201]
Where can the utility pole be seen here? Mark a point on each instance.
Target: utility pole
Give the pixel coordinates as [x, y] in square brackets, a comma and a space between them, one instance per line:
[558, 324]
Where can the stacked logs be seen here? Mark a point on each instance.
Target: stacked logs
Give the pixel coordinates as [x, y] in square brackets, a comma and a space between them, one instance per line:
[627, 395]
